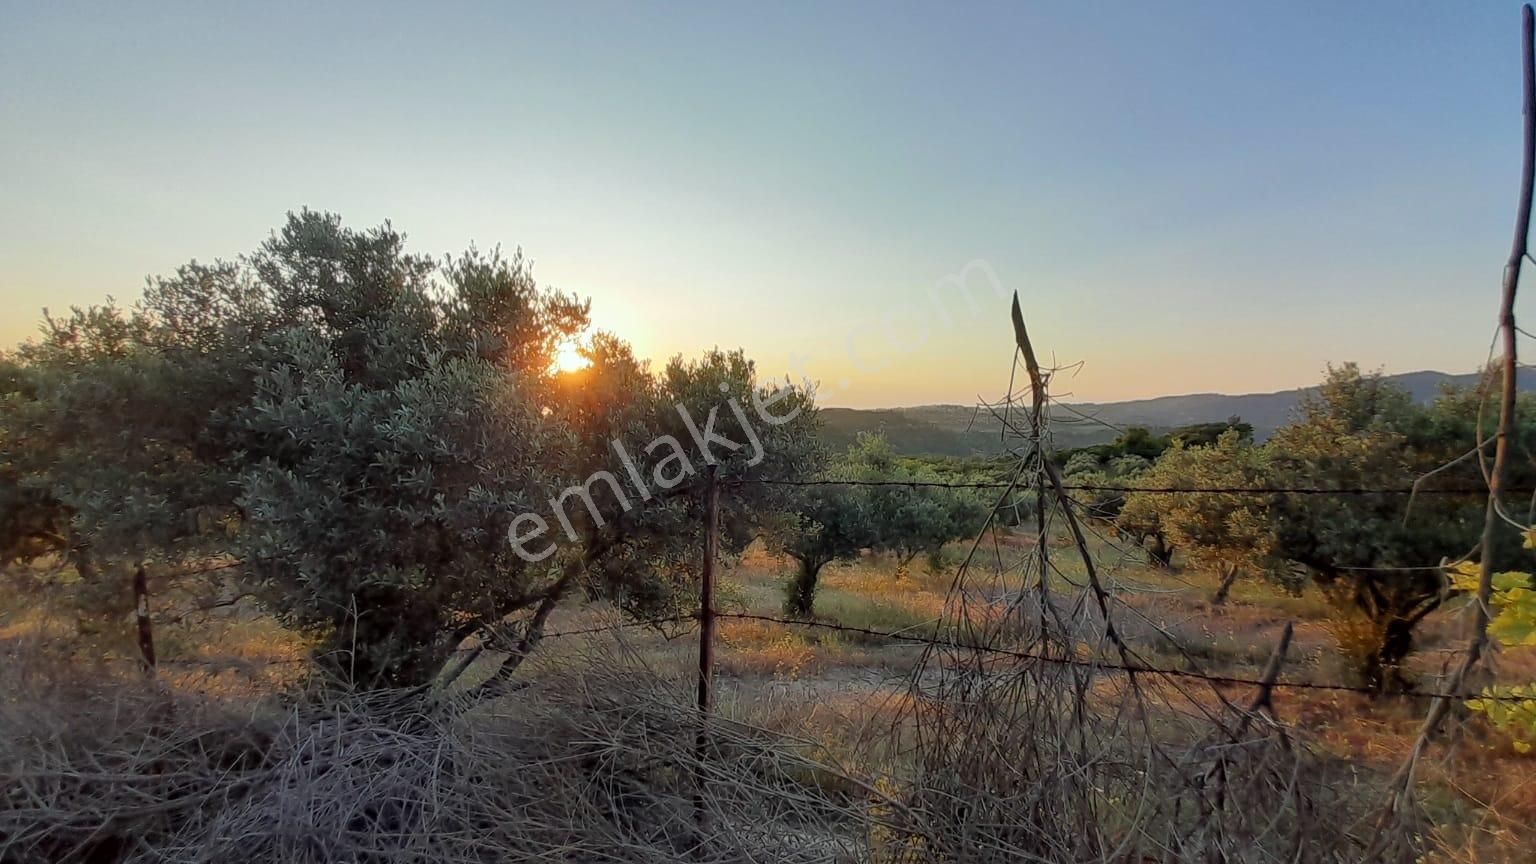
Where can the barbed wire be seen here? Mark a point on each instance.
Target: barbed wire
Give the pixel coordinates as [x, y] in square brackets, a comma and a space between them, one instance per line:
[613, 625]
[901, 636]
[908, 638]
[1113, 666]
[1095, 487]
[1128, 668]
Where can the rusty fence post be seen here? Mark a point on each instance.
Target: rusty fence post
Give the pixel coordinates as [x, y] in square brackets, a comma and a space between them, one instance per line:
[706, 637]
[141, 613]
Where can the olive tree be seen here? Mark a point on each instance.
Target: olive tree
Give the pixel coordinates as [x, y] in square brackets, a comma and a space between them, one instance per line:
[364, 427]
[826, 523]
[1229, 531]
[632, 527]
[916, 519]
[1099, 485]
[870, 499]
[116, 430]
[1375, 554]
[445, 476]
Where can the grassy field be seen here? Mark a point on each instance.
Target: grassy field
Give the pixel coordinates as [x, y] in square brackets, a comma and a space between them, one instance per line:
[846, 696]
[843, 690]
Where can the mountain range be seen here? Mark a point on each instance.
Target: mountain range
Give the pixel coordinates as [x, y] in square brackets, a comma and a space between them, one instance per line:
[962, 430]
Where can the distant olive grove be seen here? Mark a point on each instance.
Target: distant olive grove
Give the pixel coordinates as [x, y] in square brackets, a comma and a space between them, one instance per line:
[1353, 448]
[1322, 504]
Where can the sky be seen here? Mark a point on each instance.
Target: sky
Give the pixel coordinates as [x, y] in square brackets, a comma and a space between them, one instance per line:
[1187, 197]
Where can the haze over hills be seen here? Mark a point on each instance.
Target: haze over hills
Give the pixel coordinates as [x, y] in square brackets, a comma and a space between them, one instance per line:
[961, 430]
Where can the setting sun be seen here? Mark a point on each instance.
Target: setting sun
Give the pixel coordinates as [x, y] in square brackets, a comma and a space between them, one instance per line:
[568, 358]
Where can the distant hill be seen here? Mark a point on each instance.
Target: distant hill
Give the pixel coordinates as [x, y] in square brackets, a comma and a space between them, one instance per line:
[959, 430]
[910, 432]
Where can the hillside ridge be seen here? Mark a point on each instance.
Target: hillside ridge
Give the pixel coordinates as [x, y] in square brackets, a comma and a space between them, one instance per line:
[959, 430]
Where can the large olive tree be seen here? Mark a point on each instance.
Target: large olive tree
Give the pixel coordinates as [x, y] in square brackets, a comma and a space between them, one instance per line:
[1377, 554]
[362, 428]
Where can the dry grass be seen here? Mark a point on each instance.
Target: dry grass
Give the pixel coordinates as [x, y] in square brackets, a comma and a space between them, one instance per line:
[594, 760]
[229, 647]
[828, 746]
[762, 648]
[599, 767]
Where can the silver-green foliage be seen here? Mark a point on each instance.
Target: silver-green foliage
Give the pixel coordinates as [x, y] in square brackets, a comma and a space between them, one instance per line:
[359, 426]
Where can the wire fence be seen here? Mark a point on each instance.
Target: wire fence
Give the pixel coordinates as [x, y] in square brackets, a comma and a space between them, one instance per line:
[1087, 663]
[905, 636]
[992, 650]
[1092, 487]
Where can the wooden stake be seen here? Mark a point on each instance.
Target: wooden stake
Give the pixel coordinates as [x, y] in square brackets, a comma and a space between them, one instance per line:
[1037, 381]
[707, 593]
[1492, 520]
[141, 612]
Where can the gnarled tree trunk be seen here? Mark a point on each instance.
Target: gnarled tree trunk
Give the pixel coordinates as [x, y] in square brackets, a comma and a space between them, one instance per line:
[1160, 551]
[1225, 587]
[802, 590]
[1394, 602]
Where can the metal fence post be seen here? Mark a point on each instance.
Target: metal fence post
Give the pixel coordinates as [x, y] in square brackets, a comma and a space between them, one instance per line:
[706, 636]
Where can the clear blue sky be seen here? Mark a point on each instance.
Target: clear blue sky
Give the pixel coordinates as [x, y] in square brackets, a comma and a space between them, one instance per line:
[1188, 196]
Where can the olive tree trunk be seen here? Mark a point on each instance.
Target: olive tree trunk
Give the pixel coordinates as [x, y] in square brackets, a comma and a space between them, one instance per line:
[801, 596]
[1225, 588]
